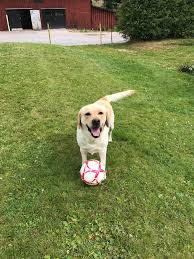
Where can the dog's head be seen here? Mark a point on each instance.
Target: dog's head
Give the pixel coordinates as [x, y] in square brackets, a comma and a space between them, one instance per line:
[94, 117]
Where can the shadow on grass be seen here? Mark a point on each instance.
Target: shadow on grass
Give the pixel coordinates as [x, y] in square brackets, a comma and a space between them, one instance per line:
[54, 160]
[63, 158]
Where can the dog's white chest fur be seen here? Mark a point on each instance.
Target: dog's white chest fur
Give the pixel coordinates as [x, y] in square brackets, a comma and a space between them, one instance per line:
[90, 144]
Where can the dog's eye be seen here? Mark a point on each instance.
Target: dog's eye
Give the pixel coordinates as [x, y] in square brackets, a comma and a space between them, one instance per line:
[100, 113]
[88, 114]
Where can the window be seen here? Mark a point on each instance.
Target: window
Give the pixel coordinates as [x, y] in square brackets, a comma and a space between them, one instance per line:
[38, 1]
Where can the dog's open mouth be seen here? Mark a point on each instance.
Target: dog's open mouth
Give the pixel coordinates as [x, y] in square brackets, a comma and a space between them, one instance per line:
[95, 132]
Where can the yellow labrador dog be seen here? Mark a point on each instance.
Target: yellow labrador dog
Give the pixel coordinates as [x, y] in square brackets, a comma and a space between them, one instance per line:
[95, 125]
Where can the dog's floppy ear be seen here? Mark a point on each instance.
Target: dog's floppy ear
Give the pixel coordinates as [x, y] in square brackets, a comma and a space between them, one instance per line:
[79, 124]
[107, 123]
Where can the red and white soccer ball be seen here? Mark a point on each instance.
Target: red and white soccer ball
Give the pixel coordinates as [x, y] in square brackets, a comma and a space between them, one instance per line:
[92, 172]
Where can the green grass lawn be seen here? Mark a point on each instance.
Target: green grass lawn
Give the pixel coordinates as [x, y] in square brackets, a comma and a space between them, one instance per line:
[145, 209]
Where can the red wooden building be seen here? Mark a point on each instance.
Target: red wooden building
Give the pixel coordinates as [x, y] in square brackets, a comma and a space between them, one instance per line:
[36, 14]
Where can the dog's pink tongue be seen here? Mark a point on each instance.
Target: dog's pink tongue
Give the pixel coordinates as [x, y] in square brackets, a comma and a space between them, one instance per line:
[96, 132]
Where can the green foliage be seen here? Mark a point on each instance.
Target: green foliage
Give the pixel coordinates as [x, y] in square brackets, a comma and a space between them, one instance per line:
[187, 69]
[111, 4]
[151, 19]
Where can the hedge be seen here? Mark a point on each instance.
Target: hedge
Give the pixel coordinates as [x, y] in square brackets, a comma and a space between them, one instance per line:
[156, 19]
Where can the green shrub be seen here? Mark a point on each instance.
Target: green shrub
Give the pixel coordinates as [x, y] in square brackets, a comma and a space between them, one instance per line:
[156, 19]
[187, 69]
[111, 4]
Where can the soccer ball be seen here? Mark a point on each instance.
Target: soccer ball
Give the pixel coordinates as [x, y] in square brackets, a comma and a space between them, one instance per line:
[92, 172]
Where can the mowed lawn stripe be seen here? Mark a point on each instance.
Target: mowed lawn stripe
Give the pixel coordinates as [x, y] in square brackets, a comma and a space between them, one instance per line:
[145, 208]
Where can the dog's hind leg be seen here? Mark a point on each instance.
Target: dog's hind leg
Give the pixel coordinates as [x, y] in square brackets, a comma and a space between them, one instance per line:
[111, 128]
[102, 155]
[110, 135]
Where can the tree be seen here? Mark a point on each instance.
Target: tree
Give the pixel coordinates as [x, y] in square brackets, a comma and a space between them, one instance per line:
[156, 19]
[111, 4]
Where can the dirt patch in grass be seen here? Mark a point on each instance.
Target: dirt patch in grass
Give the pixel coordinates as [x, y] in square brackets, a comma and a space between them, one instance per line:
[153, 45]
[156, 45]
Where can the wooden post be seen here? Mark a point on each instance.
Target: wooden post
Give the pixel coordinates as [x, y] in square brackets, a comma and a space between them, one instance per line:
[100, 33]
[111, 35]
[49, 33]
[8, 22]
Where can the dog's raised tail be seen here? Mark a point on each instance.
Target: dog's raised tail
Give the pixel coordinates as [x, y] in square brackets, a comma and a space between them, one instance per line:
[118, 96]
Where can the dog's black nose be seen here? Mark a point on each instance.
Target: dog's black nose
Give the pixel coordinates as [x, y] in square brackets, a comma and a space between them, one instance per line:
[96, 123]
